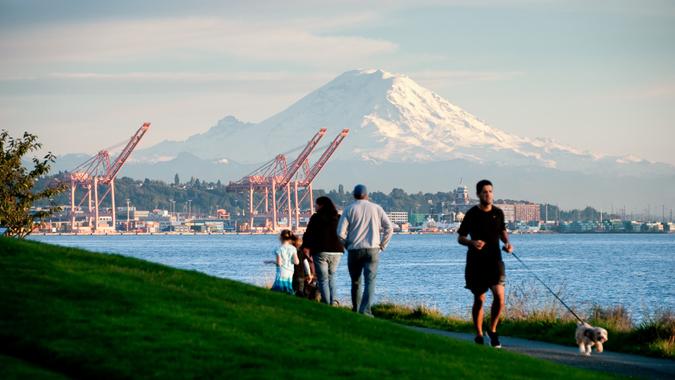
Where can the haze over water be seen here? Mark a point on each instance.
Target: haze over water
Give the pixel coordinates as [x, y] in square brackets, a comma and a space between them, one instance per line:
[631, 270]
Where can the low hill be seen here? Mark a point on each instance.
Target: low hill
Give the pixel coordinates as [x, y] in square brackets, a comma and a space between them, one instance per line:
[71, 313]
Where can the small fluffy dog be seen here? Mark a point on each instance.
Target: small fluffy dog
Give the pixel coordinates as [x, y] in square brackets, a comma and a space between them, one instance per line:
[588, 336]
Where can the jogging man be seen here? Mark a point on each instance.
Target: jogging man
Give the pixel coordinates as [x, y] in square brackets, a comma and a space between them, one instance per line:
[365, 230]
[485, 225]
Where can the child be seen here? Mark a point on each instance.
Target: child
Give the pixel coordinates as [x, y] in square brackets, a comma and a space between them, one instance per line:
[287, 256]
[299, 270]
[304, 280]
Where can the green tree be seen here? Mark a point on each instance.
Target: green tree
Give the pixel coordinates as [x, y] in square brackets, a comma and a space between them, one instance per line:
[176, 180]
[17, 181]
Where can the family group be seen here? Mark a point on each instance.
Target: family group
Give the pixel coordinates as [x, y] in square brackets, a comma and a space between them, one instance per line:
[364, 230]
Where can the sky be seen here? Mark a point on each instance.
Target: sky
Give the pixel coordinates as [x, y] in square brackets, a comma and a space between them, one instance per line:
[84, 75]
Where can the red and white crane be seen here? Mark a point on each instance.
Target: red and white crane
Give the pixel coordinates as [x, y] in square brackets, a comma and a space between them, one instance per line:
[305, 178]
[270, 178]
[273, 177]
[98, 171]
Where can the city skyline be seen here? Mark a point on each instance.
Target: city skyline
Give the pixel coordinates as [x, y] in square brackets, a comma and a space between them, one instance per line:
[599, 77]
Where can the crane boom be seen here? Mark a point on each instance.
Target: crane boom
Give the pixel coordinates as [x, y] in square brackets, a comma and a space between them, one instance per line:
[91, 168]
[277, 169]
[316, 168]
[126, 152]
[297, 163]
[262, 176]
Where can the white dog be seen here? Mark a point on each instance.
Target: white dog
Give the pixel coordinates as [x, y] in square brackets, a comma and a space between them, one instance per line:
[588, 336]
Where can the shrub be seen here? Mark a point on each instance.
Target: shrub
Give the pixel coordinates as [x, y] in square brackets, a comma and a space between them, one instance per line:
[17, 184]
[615, 317]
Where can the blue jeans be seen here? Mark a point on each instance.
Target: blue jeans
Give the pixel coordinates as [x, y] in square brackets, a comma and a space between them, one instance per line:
[326, 266]
[363, 261]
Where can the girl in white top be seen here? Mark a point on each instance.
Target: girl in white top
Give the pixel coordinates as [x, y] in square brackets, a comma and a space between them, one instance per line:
[286, 257]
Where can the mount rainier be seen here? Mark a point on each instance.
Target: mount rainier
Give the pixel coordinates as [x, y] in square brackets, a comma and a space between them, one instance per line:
[404, 135]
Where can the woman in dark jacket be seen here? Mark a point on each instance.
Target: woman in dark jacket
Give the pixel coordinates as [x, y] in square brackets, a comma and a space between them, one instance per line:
[323, 244]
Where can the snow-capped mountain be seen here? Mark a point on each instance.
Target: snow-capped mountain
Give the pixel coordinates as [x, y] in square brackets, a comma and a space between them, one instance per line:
[404, 135]
[391, 119]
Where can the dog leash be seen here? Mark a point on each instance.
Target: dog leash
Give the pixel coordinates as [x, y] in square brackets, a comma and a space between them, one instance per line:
[547, 287]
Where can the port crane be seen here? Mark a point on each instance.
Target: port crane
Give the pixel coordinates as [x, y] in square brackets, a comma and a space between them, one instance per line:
[273, 187]
[98, 171]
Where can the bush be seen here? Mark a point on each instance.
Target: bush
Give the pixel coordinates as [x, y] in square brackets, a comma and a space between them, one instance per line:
[616, 317]
[658, 331]
[17, 184]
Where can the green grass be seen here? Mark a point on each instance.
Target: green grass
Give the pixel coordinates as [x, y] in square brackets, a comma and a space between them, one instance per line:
[12, 368]
[71, 313]
[652, 338]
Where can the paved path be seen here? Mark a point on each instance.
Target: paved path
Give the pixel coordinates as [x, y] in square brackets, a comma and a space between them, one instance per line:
[622, 364]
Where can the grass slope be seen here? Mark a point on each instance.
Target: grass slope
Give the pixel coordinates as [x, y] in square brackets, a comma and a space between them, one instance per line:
[80, 314]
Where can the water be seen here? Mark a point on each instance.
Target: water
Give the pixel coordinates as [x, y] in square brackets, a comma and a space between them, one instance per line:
[608, 270]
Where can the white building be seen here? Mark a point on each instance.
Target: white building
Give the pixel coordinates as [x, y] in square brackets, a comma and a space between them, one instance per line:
[398, 217]
[462, 196]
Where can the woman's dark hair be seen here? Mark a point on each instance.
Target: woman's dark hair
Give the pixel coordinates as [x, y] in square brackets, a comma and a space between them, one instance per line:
[481, 184]
[286, 235]
[327, 206]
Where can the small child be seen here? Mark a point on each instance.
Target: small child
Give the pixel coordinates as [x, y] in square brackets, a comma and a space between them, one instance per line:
[287, 256]
[299, 271]
[304, 280]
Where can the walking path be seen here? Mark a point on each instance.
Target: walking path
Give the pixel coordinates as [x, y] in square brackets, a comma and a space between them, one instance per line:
[621, 364]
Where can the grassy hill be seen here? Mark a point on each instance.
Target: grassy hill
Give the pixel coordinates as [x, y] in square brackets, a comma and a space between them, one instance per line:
[71, 313]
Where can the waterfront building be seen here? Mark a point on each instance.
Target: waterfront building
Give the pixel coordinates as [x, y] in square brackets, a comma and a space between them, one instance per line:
[614, 225]
[177, 227]
[527, 212]
[581, 226]
[207, 225]
[633, 226]
[398, 217]
[651, 227]
[509, 212]
[520, 212]
[105, 223]
[461, 196]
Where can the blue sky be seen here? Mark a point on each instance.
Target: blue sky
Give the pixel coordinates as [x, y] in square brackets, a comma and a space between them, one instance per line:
[596, 75]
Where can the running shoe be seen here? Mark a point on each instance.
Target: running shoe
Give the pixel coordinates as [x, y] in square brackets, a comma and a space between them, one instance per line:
[494, 339]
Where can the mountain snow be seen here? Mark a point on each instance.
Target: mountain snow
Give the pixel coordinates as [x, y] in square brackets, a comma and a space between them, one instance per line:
[391, 119]
[404, 135]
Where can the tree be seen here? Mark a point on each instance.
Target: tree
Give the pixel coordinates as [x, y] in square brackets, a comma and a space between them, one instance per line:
[176, 180]
[17, 181]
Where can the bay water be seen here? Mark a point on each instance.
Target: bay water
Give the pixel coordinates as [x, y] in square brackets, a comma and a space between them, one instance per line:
[633, 270]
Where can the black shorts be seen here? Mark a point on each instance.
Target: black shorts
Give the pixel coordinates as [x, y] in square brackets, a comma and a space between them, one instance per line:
[481, 276]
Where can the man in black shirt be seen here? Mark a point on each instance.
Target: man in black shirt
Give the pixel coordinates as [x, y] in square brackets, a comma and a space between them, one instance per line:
[484, 265]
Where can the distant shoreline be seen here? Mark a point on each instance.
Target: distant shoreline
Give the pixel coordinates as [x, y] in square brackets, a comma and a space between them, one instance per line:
[197, 233]
[274, 233]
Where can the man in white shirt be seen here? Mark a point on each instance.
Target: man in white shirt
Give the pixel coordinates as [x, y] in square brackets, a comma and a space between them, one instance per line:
[365, 231]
